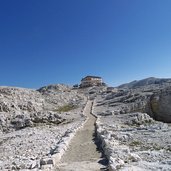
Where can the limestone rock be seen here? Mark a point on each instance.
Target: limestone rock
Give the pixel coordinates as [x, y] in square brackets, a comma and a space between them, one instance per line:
[31, 126]
[161, 105]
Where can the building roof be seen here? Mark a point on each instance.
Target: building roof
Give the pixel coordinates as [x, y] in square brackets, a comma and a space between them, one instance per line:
[90, 76]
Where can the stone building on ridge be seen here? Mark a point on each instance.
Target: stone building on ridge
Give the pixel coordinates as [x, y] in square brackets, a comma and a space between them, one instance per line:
[89, 81]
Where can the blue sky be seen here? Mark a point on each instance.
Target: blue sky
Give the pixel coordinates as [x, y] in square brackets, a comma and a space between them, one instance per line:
[60, 41]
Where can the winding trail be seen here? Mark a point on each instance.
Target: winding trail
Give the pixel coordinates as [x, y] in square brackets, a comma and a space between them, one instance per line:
[83, 153]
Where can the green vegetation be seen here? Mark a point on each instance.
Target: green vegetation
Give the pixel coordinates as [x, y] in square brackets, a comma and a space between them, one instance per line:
[154, 105]
[156, 147]
[66, 108]
[135, 143]
[153, 146]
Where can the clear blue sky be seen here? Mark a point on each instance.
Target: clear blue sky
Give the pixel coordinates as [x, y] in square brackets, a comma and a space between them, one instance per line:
[60, 41]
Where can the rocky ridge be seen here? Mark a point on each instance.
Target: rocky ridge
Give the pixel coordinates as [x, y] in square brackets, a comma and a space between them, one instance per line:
[36, 126]
[151, 81]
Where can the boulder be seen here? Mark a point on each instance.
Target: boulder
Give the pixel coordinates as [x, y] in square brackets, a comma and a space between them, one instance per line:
[160, 104]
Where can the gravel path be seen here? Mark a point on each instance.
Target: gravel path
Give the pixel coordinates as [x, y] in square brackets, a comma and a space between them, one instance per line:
[83, 153]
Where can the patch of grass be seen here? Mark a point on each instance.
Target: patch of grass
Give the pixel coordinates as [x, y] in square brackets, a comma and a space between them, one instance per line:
[168, 149]
[153, 146]
[66, 108]
[156, 147]
[135, 143]
[4, 141]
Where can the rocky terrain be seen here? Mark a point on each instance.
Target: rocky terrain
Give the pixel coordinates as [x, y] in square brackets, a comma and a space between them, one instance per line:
[132, 126]
[34, 123]
[127, 125]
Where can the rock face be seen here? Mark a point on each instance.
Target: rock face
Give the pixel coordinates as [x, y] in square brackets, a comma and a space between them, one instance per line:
[154, 99]
[128, 125]
[20, 108]
[14, 100]
[161, 105]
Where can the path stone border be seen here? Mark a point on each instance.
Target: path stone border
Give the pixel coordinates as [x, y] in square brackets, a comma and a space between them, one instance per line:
[114, 163]
[48, 163]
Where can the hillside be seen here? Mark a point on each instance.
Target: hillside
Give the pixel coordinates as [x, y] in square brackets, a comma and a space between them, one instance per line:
[151, 81]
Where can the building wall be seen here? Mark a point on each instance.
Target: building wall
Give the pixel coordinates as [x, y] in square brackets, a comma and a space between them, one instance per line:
[90, 81]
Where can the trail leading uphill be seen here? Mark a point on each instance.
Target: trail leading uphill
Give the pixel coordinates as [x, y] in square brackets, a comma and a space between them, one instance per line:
[83, 153]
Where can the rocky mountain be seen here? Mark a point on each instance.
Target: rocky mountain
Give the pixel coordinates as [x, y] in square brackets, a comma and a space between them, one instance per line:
[146, 82]
[36, 126]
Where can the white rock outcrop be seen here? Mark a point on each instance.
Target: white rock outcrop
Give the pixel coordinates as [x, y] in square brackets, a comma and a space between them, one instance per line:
[33, 133]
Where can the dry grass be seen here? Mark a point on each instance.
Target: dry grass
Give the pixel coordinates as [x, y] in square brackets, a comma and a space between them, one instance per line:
[66, 108]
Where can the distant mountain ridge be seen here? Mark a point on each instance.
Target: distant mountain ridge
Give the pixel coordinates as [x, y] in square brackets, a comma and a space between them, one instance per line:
[146, 82]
